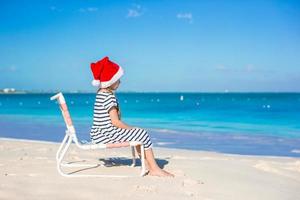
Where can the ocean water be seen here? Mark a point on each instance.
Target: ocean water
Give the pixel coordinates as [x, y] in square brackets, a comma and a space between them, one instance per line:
[240, 123]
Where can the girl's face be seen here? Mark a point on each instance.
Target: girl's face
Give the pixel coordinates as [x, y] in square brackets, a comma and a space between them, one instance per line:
[115, 85]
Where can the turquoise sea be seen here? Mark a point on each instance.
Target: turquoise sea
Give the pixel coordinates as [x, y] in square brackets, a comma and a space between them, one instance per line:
[240, 123]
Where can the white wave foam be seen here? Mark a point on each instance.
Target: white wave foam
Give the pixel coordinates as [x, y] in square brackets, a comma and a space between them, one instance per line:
[295, 151]
[164, 143]
[165, 130]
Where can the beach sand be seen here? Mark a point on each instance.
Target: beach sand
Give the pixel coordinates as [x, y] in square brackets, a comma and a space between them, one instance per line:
[28, 171]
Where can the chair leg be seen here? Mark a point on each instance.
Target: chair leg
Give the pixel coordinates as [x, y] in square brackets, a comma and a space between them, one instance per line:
[63, 143]
[67, 141]
[63, 148]
[143, 165]
[133, 156]
[61, 154]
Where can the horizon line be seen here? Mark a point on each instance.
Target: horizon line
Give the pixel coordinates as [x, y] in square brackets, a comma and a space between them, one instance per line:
[132, 91]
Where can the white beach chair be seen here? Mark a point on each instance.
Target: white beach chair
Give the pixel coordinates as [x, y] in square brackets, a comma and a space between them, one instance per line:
[71, 137]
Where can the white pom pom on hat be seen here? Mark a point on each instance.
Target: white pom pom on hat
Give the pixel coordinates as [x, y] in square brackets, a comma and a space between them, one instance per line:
[105, 73]
[96, 83]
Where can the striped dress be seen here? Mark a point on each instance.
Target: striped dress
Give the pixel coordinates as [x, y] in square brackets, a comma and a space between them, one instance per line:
[103, 131]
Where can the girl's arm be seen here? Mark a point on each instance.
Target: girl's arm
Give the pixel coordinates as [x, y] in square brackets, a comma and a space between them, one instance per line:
[113, 113]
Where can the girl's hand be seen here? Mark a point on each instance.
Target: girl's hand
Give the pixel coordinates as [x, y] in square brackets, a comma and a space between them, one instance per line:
[114, 117]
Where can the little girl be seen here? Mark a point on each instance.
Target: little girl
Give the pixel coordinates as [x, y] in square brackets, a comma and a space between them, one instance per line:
[107, 126]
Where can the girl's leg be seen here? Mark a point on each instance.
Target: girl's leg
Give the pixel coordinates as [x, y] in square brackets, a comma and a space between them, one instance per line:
[151, 164]
[154, 169]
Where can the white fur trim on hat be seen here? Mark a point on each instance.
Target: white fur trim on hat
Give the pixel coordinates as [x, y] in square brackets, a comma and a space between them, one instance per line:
[96, 83]
[114, 79]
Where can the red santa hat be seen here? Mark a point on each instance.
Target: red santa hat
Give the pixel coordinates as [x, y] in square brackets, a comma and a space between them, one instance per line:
[105, 73]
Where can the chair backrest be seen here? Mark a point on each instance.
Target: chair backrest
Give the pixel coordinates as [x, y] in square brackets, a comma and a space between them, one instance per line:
[64, 110]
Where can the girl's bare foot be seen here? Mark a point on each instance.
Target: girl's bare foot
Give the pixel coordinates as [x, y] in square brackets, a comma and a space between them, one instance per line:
[160, 173]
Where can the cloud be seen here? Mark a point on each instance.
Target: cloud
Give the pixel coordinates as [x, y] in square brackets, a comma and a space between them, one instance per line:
[185, 16]
[89, 9]
[221, 68]
[11, 69]
[224, 68]
[134, 12]
[55, 9]
[249, 68]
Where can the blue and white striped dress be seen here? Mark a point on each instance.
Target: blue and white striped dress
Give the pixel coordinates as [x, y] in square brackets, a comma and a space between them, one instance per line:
[103, 131]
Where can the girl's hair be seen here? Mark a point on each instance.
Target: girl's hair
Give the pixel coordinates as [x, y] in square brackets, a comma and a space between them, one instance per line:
[110, 89]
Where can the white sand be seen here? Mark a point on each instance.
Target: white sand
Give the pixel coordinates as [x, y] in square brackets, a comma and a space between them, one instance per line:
[28, 171]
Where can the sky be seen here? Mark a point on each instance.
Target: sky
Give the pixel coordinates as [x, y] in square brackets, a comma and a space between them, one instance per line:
[162, 45]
